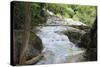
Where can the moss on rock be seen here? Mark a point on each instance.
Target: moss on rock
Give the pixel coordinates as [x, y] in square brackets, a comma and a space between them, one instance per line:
[74, 35]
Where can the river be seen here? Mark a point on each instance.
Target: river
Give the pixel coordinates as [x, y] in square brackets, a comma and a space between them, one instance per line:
[57, 46]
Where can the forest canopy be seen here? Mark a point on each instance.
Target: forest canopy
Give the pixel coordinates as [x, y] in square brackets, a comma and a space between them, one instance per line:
[83, 13]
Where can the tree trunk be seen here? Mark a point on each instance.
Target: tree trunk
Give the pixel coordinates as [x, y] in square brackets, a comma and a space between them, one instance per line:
[26, 33]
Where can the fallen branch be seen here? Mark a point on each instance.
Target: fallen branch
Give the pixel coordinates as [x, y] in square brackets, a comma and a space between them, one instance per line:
[34, 59]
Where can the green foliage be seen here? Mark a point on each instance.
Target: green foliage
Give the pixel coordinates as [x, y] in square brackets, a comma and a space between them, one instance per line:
[19, 14]
[85, 14]
[37, 17]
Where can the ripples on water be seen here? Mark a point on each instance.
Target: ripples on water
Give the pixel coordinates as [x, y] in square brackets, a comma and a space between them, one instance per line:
[57, 47]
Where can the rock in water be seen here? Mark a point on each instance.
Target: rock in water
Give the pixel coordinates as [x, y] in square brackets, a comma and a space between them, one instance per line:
[36, 42]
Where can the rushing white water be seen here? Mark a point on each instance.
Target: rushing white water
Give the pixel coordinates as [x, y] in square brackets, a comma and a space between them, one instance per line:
[63, 21]
[57, 46]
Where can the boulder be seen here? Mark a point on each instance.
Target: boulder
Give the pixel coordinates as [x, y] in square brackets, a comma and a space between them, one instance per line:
[74, 34]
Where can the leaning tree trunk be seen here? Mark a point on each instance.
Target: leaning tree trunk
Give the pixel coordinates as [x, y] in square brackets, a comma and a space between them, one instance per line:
[26, 33]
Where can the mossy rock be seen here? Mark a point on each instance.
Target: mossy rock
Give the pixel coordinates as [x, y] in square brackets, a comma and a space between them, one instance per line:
[35, 41]
[74, 35]
[81, 27]
[85, 41]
